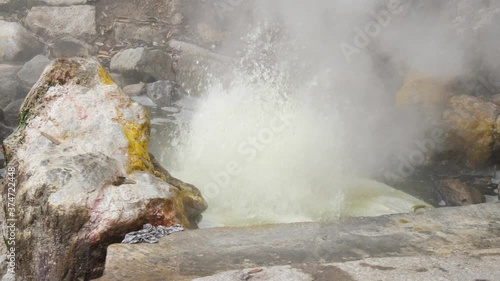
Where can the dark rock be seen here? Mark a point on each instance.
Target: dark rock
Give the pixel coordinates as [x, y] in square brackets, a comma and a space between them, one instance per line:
[70, 47]
[456, 193]
[11, 112]
[119, 79]
[143, 64]
[21, 45]
[10, 88]
[31, 71]
[164, 92]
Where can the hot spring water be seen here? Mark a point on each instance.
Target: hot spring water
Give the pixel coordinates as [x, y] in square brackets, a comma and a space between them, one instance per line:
[265, 149]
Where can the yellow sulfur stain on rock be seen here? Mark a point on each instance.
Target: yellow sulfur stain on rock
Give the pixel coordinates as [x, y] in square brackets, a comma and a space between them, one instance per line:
[472, 123]
[104, 76]
[403, 221]
[137, 135]
[188, 203]
[187, 200]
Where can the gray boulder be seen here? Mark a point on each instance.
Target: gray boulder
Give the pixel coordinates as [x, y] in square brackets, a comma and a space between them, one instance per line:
[10, 89]
[16, 43]
[31, 71]
[164, 92]
[77, 20]
[142, 64]
[134, 89]
[11, 113]
[68, 47]
[119, 79]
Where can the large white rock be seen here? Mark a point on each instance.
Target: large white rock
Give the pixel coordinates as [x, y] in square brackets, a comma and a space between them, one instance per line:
[84, 175]
[77, 20]
[16, 43]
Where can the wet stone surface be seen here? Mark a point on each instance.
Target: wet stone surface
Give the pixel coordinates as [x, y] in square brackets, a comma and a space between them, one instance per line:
[206, 252]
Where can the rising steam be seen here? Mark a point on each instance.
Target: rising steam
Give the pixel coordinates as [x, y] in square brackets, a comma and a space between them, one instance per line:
[310, 108]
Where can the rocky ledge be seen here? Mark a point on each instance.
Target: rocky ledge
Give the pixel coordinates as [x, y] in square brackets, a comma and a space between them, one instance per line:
[454, 243]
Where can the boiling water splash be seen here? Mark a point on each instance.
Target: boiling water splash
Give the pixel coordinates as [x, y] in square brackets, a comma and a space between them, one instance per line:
[260, 157]
[264, 151]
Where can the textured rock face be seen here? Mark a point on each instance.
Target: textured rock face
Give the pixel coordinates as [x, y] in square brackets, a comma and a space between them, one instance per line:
[84, 175]
[472, 124]
[16, 43]
[457, 193]
[78, 20]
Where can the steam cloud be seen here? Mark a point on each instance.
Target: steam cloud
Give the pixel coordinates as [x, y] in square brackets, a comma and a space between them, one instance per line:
[312, 103]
